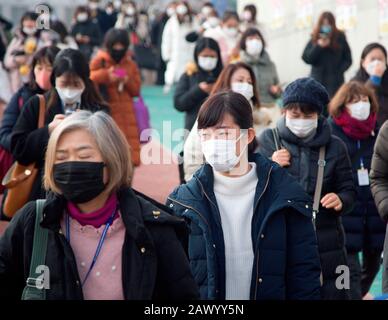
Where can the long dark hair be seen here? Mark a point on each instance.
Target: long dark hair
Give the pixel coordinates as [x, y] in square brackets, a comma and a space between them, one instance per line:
[335, 33]
[29, 15]
[204, 43]
[73, 63]
[44, 55]
[214, 109]
[223, 81]
[363, 76]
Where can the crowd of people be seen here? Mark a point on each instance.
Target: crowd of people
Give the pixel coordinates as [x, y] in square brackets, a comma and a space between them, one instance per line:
[280, 184]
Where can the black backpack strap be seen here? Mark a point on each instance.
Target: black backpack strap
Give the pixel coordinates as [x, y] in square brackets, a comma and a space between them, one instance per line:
[35, 289]
[276, 139]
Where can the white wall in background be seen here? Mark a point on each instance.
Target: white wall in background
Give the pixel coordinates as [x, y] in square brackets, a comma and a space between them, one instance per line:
[286, 46]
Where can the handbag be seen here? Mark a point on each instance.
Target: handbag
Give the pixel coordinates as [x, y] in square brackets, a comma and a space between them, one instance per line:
[34, 289]
[20, 179]
[6, 159]
[146, 57]
[142, 119]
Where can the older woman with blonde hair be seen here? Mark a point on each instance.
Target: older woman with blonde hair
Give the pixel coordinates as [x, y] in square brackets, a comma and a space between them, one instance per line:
[104, 241]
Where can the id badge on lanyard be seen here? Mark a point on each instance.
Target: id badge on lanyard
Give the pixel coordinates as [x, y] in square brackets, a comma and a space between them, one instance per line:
[362, 173]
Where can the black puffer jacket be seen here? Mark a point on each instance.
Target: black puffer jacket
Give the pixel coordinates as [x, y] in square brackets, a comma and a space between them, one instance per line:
[161, 272]
[363, 226]
[329, 65]
[338, 178]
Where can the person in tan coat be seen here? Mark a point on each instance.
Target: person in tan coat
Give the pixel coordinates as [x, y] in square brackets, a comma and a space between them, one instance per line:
[118, 79]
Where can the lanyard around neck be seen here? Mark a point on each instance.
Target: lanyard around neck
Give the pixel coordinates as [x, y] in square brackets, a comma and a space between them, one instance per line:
[100, 243]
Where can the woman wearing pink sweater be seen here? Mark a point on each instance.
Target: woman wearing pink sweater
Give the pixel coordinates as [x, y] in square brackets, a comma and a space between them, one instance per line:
[105, 241]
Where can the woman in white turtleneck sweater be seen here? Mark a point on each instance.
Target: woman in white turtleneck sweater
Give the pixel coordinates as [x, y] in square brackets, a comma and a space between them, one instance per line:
[239, 204]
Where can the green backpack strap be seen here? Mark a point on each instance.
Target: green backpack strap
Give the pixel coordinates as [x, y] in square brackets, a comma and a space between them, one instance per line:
[35, 289]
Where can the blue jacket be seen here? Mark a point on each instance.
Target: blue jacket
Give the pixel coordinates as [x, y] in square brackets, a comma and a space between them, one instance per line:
[286, 263]
[363, 226]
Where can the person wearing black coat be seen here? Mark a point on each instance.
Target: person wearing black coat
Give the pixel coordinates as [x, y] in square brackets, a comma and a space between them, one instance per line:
[88, 179]
[196, 83]
[328, 53]
[86, 32]
[353, 120]
[301, 134]
[28, 143]
[373, 72]
[40, 73]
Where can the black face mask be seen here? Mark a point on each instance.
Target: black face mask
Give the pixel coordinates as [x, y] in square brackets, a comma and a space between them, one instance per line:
[117, 55]
[80, 181]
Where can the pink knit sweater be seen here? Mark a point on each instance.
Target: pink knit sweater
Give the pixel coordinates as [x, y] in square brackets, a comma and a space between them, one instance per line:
[105, 280]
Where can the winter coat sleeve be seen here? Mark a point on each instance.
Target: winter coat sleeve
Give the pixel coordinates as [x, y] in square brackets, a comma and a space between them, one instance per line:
[167, 41]
[187, 96]
[344, 182]
[303, 262]
[346, 60]
[13, 253]
[10, 117]
[134, 80]
[98, 73]
[379, 172]
[311, 53]
[9, 61]
[192, 153]
[266, 144]
[28, 143]
[95, 35]
[175, 283]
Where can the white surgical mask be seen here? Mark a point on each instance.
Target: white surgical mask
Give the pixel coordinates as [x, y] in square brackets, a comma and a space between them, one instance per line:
[244, 88]
[372, 65]
[82, 17]
[69, 96]
[181, 9]
[131, 11]
[213, 22]
[29, 30]
[207, 63]
[109, 11]
[170, 11]
[302, 128]
[247, 16]
[206, 11]
[93, 5]
[221, 153]
[231, 32]
[254, 47]
[117, 4]
[360, 110]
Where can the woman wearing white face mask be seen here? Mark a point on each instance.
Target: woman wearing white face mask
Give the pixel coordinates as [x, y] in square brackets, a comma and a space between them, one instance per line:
[85, 31]
[353, 113]
[18, 57]
[71, 89]
[237, 205]
[176, 50]
[237, 77]
[253, 53]
[373, 72]
[301, 138]
[227, 35]
[196, 83]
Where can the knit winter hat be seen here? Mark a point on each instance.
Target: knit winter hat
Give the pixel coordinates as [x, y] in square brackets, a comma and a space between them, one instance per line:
[306, 90]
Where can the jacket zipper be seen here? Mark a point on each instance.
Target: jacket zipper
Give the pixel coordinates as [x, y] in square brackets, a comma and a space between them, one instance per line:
[258, 236]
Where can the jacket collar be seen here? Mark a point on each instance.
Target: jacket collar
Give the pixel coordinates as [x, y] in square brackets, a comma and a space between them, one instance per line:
[288, 192]
[136, 210]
